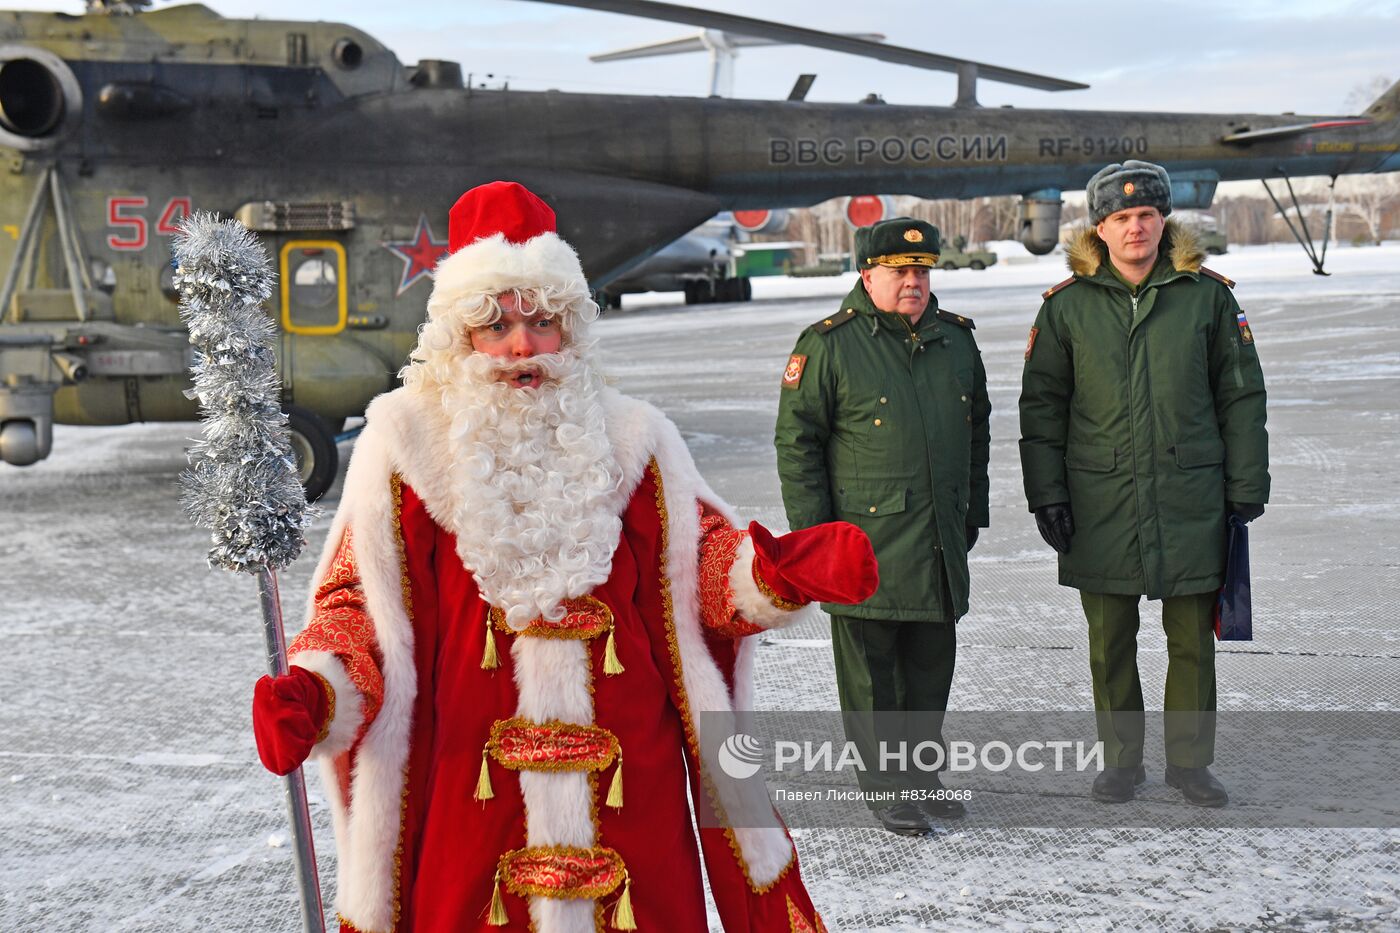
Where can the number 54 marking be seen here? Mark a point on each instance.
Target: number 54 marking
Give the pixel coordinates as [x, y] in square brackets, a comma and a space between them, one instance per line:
[126, 216]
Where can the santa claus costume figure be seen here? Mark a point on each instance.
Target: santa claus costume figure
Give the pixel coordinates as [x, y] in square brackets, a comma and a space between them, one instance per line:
[527, 592]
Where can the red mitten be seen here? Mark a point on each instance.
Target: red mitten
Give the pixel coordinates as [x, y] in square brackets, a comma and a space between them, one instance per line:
[289, 713]
[831, 563]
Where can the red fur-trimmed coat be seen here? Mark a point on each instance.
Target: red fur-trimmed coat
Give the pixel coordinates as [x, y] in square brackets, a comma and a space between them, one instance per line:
[455, 780]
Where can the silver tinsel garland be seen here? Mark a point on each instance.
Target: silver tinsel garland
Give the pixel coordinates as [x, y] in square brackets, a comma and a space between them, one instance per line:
[242, 481]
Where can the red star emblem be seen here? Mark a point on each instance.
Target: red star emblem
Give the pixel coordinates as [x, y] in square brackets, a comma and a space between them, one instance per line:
[419, 254]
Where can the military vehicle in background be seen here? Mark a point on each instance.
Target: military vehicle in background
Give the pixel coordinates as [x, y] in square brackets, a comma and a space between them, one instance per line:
[955, 255]
[117, 123]
[1207, 230]
[698, 264]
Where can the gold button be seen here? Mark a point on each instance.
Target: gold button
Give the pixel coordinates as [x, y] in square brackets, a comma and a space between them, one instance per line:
[877, 422]
[872, 508]
[827, 322]
[850, 310]
[884, 401]
[969, 419]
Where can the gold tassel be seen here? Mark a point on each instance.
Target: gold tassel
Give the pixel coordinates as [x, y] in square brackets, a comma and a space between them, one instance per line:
[623, 918]
[611, 665]
[489, 660]
[483, 783]
[499, 917]
[615, 791]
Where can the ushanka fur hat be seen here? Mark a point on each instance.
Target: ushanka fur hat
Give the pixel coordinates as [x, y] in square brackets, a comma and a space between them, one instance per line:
[1118, 187]
[501, 237]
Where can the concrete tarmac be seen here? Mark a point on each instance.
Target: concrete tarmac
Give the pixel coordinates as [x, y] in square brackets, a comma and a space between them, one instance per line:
[130, 793]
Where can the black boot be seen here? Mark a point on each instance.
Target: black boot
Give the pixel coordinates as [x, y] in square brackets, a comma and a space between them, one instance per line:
[1198, 786]
[942, 808]
[903, 819]
[1116, 785]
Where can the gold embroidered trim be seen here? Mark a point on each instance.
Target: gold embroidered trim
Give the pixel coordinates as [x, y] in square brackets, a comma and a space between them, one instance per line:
[562, 871]
[797, 923]
[406, 587]
[330, 706]
[585, 617]
[903, 259]
[687, 721]
[522, 745]
[778, 602]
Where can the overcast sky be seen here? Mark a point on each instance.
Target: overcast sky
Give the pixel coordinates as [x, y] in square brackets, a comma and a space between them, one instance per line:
[1253, 56]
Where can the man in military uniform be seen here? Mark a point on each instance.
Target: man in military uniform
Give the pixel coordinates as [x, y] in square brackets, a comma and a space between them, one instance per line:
[1142, 428]
[882, 421]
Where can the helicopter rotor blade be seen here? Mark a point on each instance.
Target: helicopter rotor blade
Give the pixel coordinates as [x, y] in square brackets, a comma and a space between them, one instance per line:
[708, 19]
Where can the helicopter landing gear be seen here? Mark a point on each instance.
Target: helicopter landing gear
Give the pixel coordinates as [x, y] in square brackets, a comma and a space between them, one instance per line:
[704, 291]
[313, 445]
[1301, 233]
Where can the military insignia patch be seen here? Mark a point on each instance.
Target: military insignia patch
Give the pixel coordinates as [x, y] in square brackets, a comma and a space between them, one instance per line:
[1246, 335]
[792, 376]
[914, 236]
[1030, 341]
[1129, 187]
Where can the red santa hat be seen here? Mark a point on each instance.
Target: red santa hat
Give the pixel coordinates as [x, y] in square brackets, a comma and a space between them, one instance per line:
[501, 236]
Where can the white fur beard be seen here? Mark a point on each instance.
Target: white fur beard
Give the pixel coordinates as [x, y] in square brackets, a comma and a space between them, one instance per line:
[538, 514]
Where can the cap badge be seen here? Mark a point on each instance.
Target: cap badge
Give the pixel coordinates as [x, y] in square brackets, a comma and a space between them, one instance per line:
[1129, 187]
[914, 236]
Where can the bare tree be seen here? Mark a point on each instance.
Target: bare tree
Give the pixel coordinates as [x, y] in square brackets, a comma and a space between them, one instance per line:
[1370, 199]
[1366, 92]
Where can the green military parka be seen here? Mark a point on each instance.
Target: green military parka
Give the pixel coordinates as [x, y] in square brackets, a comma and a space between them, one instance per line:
[887, 428]
[1146, 414]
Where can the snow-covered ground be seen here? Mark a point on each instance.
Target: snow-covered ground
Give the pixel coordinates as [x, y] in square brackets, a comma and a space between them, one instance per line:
[130, 793]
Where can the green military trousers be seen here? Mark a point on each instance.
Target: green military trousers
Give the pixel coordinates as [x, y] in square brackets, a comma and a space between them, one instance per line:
[893, 679]
[1189, 703]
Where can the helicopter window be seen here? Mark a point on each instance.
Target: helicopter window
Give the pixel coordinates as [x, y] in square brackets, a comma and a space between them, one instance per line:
[313, 287]
[313, 283]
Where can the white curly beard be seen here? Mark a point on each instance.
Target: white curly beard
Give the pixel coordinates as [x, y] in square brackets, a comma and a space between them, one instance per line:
[538, 487]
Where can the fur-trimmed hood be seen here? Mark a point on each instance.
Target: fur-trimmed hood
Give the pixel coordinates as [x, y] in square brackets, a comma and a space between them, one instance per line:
[1086, 253]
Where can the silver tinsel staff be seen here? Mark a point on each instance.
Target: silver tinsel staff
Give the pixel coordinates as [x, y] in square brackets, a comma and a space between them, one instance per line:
[242, 481]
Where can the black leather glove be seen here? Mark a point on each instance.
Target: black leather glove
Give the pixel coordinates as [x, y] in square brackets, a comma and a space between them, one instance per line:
[1246, 511]
[1056, 525]
[972, 531]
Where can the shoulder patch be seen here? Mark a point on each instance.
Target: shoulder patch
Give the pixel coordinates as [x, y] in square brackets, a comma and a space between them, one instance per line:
[957, 319]
[1229, 282]
[1059, 286]
[835, 320]
[792, 375]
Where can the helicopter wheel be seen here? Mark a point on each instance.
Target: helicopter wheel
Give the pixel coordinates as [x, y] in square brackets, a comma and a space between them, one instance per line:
[313, 445]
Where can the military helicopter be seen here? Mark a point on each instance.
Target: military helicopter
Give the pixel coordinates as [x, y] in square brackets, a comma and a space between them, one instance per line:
[116, 123]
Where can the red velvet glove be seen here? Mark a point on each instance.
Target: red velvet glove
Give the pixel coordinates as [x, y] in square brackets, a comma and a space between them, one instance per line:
[830, 563]
[289, 713]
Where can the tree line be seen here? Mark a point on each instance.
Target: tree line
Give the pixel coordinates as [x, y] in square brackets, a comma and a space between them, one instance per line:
[1365, 209]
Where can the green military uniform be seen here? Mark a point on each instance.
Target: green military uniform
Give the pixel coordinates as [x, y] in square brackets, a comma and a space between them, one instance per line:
[1143, 409]
[885, 425]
